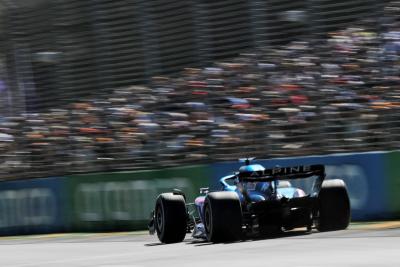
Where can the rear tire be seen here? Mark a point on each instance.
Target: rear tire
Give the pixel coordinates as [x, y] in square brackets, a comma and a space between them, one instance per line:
[170, 218]
[334, 206]
[223, 217]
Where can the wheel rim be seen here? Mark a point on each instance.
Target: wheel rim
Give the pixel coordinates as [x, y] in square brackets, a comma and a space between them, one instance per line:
[316, 219]
[207, 219]
[159, 219]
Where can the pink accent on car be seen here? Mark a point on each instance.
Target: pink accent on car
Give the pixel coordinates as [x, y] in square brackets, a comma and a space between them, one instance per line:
[199, 200]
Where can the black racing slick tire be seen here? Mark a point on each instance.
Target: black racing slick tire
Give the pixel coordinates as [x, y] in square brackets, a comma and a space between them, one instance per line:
[170, 218]
[223, 217]
[334, 206]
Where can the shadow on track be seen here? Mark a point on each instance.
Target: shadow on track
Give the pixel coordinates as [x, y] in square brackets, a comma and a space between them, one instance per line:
[292, 233]
[154, 244]
[200, 242]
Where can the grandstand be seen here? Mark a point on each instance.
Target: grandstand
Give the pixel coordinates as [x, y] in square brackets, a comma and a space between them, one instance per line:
[92, 86]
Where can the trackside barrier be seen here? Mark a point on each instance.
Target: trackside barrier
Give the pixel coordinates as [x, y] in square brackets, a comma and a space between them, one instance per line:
[124, 200]
[92, 202]
[33, 206]
[392, 167]
[373, 179]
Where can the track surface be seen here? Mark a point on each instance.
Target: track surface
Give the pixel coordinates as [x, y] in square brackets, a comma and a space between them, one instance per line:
[371, 245]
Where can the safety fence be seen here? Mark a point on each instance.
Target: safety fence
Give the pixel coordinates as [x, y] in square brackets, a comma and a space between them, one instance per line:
[91, 86]
[123, 200]
[59, 50]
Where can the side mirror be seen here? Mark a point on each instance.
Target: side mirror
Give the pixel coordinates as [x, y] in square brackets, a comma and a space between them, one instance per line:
[204, 190]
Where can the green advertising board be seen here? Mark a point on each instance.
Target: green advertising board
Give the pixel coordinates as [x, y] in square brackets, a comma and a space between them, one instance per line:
[124, 200]
[393, 182]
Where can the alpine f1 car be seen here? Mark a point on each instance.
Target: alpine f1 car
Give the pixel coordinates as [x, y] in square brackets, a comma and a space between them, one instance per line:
[254, 201]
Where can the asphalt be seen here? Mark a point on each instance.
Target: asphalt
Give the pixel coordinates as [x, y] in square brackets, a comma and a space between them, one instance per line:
[374, 244]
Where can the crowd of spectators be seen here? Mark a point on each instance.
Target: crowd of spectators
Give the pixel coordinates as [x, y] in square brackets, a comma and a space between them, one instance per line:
[341, 94]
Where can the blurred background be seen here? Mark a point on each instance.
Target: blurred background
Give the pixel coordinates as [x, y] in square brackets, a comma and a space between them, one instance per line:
[96, 85]
[90, 86]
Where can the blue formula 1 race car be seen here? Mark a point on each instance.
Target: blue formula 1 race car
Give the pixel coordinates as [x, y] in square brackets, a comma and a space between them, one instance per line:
[254, 202]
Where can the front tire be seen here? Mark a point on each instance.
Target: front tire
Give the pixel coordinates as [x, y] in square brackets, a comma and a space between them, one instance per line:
[170, 218]
[334, 206]
[223, 217]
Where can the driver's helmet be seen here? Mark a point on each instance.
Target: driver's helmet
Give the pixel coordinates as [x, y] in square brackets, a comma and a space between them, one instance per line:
[254, 171]
[251, 171]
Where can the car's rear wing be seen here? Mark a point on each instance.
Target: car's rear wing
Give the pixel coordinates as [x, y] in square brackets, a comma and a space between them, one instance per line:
[284, 173]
